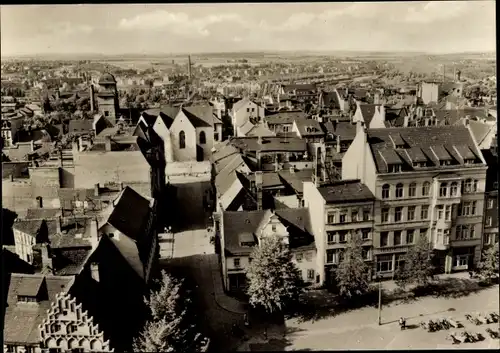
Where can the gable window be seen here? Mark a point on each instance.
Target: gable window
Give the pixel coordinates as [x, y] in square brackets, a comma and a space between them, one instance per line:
[182, 140]
[412, 190]
[273, 227]
[399, 191]
[443, 189]
[385, 191]
[203, 138]
[426, 188]
[454, 189]
[394, 168]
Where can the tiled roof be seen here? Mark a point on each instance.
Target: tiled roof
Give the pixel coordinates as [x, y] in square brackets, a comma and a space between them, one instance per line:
[22, 319]
[244, 223]
[296, 178]
[284, 117]
[70, 261]
[440, 138]
[346, 191]
[309, 127]
[43, 213]
[480, 130]
[130, 212]
[269, 179]
[277, 144]
[33, 135]
[199, 116]
[260, 130]
[80, 126]
[33, 226]
[16, 169]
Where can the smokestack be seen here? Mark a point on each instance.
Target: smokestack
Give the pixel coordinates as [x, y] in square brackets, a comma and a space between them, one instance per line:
[107, 142]
[92, 102]
[258, 187]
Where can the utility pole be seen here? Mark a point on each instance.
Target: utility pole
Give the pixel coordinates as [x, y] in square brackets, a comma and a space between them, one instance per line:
[379, 301]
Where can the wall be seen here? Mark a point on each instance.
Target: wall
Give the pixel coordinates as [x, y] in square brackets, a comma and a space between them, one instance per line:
[241, 116]
[108, 104]
[306, 263]
[18, 151]
[429, 92]
[161, 129]
[110, 167]
[316, 206]
[24, 245]
[209, 137]
[183, 171]
[182, 123]
[67, 313]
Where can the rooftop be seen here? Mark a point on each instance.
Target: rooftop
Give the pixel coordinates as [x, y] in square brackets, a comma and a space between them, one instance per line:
[270, 144]
[346, 191]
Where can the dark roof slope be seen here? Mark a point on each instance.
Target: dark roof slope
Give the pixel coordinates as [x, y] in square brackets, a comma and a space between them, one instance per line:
[346, 191]
[80, 126]
[199, 115]
[368, 110]
[130, 213]
[284, 117]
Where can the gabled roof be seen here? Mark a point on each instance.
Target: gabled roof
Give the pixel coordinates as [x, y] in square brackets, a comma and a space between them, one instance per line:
[260, 130]
[344, 129]
[309, 127]
[129, 214]
[480, 130]
[80, 126]
[287, 117]
[42, 213]
[368, 111]
[22, 319]
[199, 116]
[239, 104]
[439, 138]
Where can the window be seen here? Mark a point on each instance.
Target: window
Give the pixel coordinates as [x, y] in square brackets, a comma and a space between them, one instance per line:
[342, 237]
[473, 207]
[248, 110]
[426, 188]
[490, 238]
[474, 186]
[285, 128]
[464, 232]
[384, 263]
[424, 212]
[447, 214]
[10, 348]
[367, 215]
[365, 253]
[273, 227]
[386, 191]
[365, 234]
[342, 218]
[236, 263]
[106, 113]
[384, 238]
[394, 168]
[400, 261]
[443, 189]
[454, 189]
[182, 140]
[331, 237]
[472, 231]
[410, 236]
[399, 191]
[299, 257]
[203, 138]
[423, 232]
[490, 203]
[397, 237]
[55, 328]
[216, 136]
[330, 254]
[461, 260]
[354, 216]
[71, 328]
[411, 213]
[466, 209]
[398, 214]
[440, 212]
[468, 185]
[331, 218]
[412, 190]
[310, 274]
[385, 215]
[253, 110]
[488, 221]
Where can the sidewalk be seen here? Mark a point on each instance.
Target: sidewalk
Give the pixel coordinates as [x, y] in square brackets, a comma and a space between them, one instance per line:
[224, 301]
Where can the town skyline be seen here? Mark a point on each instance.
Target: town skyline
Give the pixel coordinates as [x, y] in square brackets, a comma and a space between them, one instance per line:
[427, 27]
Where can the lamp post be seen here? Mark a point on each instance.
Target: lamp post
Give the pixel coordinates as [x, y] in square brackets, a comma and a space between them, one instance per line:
[379, 301]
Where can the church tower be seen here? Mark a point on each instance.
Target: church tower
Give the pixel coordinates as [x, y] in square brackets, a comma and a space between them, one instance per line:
[107, 98]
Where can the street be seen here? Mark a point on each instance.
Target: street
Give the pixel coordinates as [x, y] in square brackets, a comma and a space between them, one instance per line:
[358, 329]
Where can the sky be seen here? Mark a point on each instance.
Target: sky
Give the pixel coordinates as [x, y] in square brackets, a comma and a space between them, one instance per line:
[435, 26]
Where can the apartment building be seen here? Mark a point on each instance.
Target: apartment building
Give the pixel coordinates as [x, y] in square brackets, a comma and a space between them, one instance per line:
[338, 211]
[490, 227]
[427, 181]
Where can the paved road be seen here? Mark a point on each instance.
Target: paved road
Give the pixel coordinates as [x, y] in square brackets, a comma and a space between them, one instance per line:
[358, 329]
[189, 211]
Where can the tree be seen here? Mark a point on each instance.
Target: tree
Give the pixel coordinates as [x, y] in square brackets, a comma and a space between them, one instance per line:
[172, 326]
[352, 274]
[274, 282]
[488, 266]
[418, 265]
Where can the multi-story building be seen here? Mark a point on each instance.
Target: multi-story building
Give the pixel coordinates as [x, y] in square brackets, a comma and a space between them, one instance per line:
[337, 211]
[490, 226]
[244, 115]
[428, 181]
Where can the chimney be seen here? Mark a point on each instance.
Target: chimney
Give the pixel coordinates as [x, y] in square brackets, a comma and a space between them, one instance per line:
[94, 271]
[12, 177]
[334, 123]
[107, 142]
[94, 235]
[46, 256]
[459, 73]
[96, 190]
[258, 187]
[40, 201]
[382, 112]
[337, 144]
[121, 186]
[92, 93]
[58, 224]
[259, 140]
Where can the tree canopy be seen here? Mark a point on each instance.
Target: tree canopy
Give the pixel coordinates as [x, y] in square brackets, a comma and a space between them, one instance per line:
[352, 274]
[488, 266]
[418, 267]
[173, 326]
[274, 282]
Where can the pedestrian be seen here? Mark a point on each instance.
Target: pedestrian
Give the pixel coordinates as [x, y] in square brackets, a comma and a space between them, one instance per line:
[404, 323]
[401, 321]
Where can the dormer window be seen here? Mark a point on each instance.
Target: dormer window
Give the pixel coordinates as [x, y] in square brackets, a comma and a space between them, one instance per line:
[419, 164]
[469, 161]
[26, 299]
[394, 168]
[443, 163]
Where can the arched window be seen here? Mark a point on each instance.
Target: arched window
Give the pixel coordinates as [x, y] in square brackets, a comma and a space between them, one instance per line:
[454, 189]
[182, 139]
[412, 190]
[399, 190]
[386, 191]
[203, 138]
[426, 188]
[443, 189]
